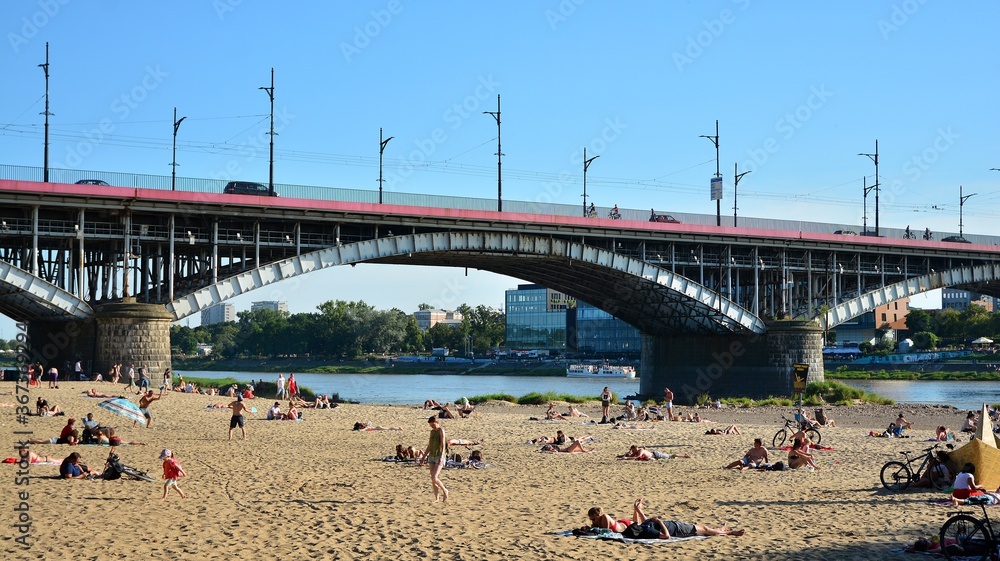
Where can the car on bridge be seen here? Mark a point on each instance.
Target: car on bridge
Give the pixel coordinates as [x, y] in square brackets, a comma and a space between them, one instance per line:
[246, 188]
[653, 217]
[846, 232]
[99, 182]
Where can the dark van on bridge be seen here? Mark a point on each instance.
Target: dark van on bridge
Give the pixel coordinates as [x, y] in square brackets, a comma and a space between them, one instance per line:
[246, 188]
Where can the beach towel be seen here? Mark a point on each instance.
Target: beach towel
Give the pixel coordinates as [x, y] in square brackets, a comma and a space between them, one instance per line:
[605, 534]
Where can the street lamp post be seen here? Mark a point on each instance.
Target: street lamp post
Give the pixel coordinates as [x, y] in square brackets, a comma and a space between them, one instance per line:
[718, 201]
[736, 181]
[270, 169]
[865, 189]
[496, 115]
[45, 68]
[381, 148]
[961, 202]
[173, 163]
[874, 158]
[586, 164]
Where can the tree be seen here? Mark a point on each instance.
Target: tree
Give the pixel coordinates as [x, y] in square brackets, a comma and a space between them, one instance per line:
[183, 337]
[918, 320]
[925, 340]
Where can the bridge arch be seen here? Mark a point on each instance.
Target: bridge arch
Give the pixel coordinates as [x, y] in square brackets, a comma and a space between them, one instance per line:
[653, 299]
[961, 276]
[26, 297]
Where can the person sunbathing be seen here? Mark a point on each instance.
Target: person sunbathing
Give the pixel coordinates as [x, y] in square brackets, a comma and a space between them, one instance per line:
[466, 408]
[26, 454]
[552, 415]
[559, 438]
[93, 393]
[731, 429]
[572, 411]
[463, 442]
[574, 448]
[799, 456]
[644, 527]
[756, 457]
[431, 404]
[943, 434]
[359, 426]
[641, 453]
[970, 422]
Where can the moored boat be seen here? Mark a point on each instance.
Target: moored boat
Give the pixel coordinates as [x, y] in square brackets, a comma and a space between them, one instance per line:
[604, 371]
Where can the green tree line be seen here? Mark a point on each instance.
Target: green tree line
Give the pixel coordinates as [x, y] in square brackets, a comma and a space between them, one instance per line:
[930, 329]
[340, 329]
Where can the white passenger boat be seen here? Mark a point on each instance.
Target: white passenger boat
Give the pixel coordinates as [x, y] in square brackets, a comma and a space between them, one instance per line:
[603, 371]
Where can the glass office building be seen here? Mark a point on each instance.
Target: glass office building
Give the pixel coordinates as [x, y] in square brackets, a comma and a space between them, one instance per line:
[544, 319]
[536, 318]
[598, 333]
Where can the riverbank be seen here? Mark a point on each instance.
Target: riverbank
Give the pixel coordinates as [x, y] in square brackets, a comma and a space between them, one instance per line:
[346, 503]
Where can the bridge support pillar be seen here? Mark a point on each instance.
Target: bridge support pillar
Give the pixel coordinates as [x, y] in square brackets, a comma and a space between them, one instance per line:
[133, 333]
[731, 365]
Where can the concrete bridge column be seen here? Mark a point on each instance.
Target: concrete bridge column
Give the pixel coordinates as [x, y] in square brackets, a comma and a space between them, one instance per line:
[133, 333]
[731, 365]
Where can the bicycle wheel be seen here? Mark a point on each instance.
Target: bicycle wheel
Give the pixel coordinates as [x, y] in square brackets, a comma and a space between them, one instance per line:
[968, 533]
[813, 435]
[895, 476]
[779, 438]
[136, 474]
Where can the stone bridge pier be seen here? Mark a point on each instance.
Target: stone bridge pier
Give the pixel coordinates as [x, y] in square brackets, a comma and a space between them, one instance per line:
[125, 332]
[755, 365]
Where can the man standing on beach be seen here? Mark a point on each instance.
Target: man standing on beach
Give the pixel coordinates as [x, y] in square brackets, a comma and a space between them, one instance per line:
[668, 403]
[281, 386]
[144, 402]
[131, 376]
[238, 419]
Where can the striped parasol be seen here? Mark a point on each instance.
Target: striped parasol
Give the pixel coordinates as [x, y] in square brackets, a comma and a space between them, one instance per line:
[123, 407]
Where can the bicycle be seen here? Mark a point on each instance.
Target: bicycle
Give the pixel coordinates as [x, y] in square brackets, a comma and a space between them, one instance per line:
[909, 235]
[928, 235]
[973, 536]
[811, 432]
[114, 469]
[896, 475]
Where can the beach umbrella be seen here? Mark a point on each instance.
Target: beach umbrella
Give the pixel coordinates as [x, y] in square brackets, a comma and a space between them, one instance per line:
[123, 407]
[982, 341]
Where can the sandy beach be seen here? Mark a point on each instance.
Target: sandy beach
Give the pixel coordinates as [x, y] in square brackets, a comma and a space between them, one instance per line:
[315, 489]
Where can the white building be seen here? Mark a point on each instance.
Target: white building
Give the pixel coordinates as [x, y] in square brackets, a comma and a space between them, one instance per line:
[219, 313]
[269, 305]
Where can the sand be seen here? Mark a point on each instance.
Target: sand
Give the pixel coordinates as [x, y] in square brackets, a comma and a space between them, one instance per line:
[318, 490]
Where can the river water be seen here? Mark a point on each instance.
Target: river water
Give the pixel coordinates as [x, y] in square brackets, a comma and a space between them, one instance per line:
[398, 389]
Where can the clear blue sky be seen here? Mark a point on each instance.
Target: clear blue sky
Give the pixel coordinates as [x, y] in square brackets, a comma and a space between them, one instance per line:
[799, 89]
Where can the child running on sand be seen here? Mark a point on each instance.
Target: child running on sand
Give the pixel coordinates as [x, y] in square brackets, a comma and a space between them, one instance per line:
[172, 471]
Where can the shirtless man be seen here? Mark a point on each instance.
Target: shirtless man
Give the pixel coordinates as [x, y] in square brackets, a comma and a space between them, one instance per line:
[756, 457]
[144, 402]
[668, 403]
[238, 410]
